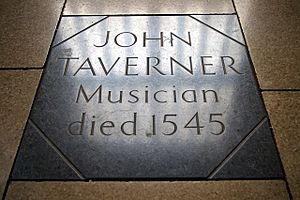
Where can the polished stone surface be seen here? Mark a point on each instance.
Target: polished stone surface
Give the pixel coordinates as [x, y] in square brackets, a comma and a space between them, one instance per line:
[119, 102]
[51, 167]
[283, 109]
[17, 91]
[252, 157]
[208, 190]
[27, 28]
[94, 7]
[272, 30]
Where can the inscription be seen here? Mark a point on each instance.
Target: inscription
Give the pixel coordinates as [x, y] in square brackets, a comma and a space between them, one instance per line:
[150, 65]
[128, 39]
[132, 66]
[146, 96]
[129, 128]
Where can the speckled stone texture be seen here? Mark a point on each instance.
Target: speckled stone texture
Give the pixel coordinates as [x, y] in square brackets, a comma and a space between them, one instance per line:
[272, 30]
[17, 91]
[283, 108]
[92, 7]
[26, 32]
[211, 190]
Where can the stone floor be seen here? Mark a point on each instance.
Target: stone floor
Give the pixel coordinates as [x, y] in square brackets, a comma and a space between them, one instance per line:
[271, 29]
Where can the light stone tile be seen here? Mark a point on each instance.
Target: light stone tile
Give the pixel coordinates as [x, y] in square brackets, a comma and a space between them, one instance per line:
[17, 92]
[208, 190]
[283, 109]
[277, 68]
[27, 29]
[95, 7]
[272, 30]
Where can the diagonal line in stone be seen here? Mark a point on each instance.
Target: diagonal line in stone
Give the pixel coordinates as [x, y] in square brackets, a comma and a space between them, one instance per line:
[56, 149]
[80, 32]
[236, 149]
[216, 30]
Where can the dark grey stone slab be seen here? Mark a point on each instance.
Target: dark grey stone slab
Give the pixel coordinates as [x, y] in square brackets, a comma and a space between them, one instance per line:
[188, 95]
[37, 160]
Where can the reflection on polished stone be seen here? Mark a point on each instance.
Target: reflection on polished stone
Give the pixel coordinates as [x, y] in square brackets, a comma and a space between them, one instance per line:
[148, 97]
[112, 7]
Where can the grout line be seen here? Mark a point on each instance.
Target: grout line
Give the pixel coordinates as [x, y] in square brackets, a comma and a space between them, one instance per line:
[237, 148]
[79, 32]
[19, 146]
[263, 103]
[55, 32]
[280, 161]
[146, 14]
[56, 149]
[51, 43]
[5, 189]
[20, 68]
[288, 189]
[280, 90]
[172, 179]
[247, 50]
[36, 91]
[217, 31]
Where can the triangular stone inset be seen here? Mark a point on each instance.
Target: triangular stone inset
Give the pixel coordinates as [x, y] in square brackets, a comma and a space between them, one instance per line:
[257, 158]
[73, 25]
[37, 160]
[227, 24]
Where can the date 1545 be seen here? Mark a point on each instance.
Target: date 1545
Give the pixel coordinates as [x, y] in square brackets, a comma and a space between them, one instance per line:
[166, 125]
